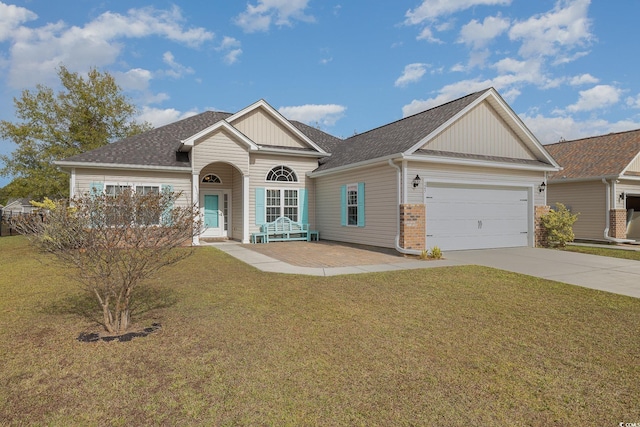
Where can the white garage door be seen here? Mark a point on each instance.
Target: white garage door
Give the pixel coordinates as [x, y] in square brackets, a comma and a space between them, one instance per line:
[476, 217]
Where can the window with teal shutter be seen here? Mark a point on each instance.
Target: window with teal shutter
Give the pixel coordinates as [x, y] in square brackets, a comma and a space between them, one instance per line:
[361, 204]
[96, 188]
[260, 211]
[166, 215]
[352, 205]
[343, 205]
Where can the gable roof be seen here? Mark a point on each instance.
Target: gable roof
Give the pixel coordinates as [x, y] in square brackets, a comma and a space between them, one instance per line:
[157, 148]
[595, 157]
[406, 137]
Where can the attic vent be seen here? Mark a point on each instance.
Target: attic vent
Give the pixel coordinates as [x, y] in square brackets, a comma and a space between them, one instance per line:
[182, 156]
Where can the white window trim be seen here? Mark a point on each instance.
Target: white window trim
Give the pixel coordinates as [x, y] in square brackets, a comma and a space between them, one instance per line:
[211, 183]
[282, 182]
[282, 202]
[351, 187]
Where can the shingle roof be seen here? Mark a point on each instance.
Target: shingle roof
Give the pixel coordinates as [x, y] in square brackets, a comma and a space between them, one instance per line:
[594, 157]
[158, 146]
[396, 137]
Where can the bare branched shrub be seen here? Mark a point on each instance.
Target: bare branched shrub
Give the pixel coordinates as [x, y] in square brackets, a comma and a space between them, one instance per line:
[114, 244]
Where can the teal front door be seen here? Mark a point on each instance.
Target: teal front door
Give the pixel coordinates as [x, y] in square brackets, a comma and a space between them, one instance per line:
[211, 211]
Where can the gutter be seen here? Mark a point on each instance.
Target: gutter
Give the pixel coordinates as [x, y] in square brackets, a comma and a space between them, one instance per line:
[608, 215]
[397, 239]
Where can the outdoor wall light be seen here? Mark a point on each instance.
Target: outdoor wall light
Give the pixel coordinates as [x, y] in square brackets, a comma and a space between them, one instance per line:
[416, 181]
[542, 187]
[621, 197]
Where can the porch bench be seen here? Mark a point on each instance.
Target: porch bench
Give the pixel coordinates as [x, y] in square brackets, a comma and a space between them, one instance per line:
[285, 230]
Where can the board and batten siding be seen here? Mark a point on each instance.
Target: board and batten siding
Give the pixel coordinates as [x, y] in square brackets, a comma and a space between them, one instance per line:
[263, 129]
[586, 199]
[381, 206]
[483, 132]
[260, 166]
[471, 175]
[180, 182]
[219, 146]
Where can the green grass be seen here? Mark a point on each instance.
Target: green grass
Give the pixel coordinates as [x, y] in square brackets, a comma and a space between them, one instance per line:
[441, 346]
[610, 252]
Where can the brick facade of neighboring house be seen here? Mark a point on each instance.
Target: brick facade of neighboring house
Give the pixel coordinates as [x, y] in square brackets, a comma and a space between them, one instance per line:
[412, 226]
[618, 223]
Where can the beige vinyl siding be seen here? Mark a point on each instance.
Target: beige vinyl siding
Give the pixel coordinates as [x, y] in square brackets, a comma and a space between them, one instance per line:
[219, 146]
[471, 175]
[585, 198]
[381, 206]
[483, 132]
[224, 171]
[634, 166]
[237, 224]
[261, 164]
[263, 129]
[181, 182]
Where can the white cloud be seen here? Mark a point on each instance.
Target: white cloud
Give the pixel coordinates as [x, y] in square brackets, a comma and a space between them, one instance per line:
[259, 17]
[597, 97]
[232, 48]
[176, 70]
[432, 9]
[11, 17]
[554, 33]
[478, 35]
[551, 129]
[583, 79]
[412, 73]
[134, 79]
[634, 102]
[427, 34]
[312, 114]
[447, 93]
[159, 117]
[36, 52]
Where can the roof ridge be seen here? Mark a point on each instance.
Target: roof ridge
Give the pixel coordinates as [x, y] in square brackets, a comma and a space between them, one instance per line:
[418, 113]
[593, 137]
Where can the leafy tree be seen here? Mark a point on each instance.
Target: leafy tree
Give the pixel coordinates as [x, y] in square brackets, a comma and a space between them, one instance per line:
[559, 225]
[113, 245]
[88, 113]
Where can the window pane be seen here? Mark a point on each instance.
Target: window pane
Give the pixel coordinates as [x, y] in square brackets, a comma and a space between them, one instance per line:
[352, 215]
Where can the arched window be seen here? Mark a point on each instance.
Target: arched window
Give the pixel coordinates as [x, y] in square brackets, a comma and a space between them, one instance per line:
[282, 174]
[211, 179]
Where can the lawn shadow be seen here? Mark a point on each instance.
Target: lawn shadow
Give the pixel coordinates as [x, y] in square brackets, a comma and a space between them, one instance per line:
[146, 300]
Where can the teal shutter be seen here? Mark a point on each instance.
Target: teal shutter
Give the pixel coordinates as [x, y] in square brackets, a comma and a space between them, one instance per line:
[166, 215]
[361, 204]
[96, 188]
[343, 205]
[304, 206]
[261, 216]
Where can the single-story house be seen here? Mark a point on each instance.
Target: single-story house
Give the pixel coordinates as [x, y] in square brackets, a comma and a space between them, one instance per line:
[467, 174]
[18, 206]
[600, 180]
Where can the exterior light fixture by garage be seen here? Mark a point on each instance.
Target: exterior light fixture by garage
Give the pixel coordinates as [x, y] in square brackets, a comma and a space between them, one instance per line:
[416, 181]
[542, 187]
[621, 197]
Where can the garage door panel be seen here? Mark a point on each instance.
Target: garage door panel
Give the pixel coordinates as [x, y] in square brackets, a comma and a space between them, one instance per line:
[476, 217]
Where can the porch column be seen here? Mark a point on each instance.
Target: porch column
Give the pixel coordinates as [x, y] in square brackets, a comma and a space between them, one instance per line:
[245, 208]
[195, 202]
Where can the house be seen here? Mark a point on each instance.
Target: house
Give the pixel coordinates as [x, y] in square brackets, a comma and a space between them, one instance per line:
[17, 206]
[600, 180]
[463, 175]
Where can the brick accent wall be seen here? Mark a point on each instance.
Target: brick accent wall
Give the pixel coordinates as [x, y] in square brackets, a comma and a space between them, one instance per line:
[540, 231]
[412, 226]
[618, 223]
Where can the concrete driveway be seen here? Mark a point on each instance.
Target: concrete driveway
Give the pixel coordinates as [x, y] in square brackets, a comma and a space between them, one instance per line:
[615, 275]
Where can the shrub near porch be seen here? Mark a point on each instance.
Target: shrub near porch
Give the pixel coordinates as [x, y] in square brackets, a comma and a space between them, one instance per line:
[464, 345]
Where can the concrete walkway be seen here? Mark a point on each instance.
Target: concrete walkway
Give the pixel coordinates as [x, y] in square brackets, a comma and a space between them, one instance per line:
[592, 271]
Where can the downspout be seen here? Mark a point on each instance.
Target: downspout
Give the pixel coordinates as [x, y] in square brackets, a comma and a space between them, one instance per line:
[399, 190]
[608, 215]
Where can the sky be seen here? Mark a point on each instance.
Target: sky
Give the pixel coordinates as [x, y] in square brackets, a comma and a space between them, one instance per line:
[568, 68]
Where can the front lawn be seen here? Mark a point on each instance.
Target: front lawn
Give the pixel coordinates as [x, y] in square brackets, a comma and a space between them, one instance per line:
[442, 346]
[610, 252]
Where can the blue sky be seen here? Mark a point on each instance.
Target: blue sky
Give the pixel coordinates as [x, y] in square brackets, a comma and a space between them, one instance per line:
[568, 68]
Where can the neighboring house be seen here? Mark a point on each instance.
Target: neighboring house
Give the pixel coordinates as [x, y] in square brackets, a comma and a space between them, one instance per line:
[17, 206]
[600, 180]
[464, 175]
